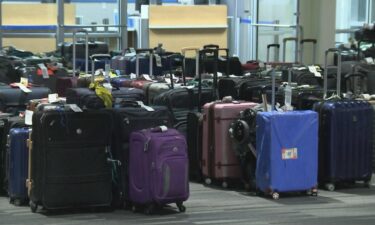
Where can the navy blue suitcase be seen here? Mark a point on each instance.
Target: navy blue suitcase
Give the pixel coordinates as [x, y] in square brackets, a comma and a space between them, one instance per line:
[345, 137]
[17, 165]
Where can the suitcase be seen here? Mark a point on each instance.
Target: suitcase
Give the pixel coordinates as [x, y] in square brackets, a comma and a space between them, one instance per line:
[17, 167]
[345, 137]
[87, 98]
[69, 165]
[194, 135]
[13, 100]
[7, 122]
[287, 152]
[93, 48]
[158, 169]
[121, 63]
[130, 117]
[219, 161]
[64, 83]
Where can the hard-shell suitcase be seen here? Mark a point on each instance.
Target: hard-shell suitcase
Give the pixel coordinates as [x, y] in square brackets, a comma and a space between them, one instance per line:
[219, 161]
[69, 164]
[345, 137]
[7, 122]
[87, 98]
[17, 167]
[158, 168]
[13, 100]
[130, 117]
[287, 152]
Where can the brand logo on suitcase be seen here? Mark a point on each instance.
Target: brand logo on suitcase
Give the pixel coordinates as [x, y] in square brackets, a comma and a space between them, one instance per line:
[289, 153]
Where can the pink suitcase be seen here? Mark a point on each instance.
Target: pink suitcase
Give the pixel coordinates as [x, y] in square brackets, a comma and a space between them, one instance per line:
[219, 160]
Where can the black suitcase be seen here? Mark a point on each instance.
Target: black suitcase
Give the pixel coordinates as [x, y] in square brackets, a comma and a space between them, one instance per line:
[252, 89]
[13, 100]
[69, 161]
[132, 116]
[7, 122]
[194, 132]
[94, 48]
[87, 98]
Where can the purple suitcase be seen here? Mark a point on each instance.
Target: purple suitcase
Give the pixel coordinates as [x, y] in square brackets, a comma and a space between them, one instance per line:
[158, 169]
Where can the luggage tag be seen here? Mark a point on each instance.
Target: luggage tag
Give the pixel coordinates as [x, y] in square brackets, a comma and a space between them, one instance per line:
[118, 72]
[75, 108]
[23, 85]
[52, 98]
[288, 98]
[369, 60]
[313, 70]
[158, 60]
[44, 70]
[147, 77]
[148, 108]
[108, 86]
[133, 76]
[29, 117]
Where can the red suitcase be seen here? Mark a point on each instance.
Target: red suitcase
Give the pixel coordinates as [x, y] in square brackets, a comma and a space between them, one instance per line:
[219, 160]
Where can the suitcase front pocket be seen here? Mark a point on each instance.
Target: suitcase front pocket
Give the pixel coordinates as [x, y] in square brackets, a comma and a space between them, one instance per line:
[171, 180]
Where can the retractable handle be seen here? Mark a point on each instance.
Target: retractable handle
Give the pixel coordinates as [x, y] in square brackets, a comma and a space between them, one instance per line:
[338, 77]
[308, 40]
[170, 59]
[226, 50]
[273, 75]
[277, 46]
[285, 40]
[144, 50]
[86, 50]
[204, 54]
[183, 52]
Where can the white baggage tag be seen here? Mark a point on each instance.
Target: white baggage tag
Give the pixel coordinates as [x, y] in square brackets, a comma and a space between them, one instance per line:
[29, 117]
[288, 96]
[158, 60]
[369, 60]
[107, 70]
[148, 108]
[167, 80]
[118, 72]
[133, 76]
[190, 87]
[147, 77]
[53, 98]
[44, 70]
[163, 128]
[268, 67]
[24, 88]
[313, 70]
[261, 65]
[24, 81]
[75, 108]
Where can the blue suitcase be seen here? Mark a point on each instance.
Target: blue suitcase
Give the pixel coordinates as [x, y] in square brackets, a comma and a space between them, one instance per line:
[17, 154]
[287, 151]
[345, 143]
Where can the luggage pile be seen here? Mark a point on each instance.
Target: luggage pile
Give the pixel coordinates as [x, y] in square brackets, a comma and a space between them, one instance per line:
[135, 128]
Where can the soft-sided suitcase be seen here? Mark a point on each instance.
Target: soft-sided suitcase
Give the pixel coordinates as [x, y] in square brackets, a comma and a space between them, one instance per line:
[287, 152]
[130, 117]
[17, 167]
[87, 98]
[219, 161]
[194, 141]
[345, 137]
[13, 100]
[158, 168]
[69, 164]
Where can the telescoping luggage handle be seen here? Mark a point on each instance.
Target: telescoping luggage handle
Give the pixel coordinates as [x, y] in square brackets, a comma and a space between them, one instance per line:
[171, 59]
[226, 50]
[285, 40]
[314, 42]
[137, 52]
[338, 76]
[105, 57]
[203, 54]
[183, 52]
[277, 46]
[86, 50]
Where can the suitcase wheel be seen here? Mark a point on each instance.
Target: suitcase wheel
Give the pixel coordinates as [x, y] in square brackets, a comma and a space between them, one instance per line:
[208, 181]
[330, 186]
[17, 202]
[312, 192]
[225, 184]
[33, 206]
[367, 183]
[275, 196]
[181, 207]
[149, 209]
